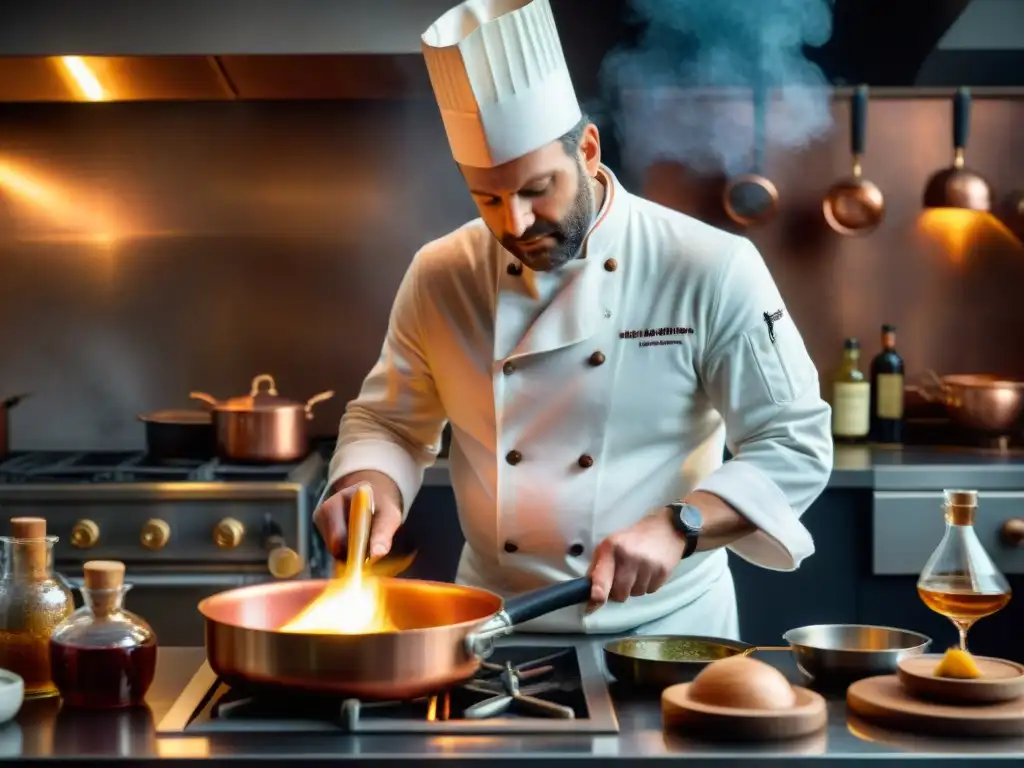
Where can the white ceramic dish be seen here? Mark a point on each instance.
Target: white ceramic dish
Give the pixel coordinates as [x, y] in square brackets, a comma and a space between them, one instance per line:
[12, 694]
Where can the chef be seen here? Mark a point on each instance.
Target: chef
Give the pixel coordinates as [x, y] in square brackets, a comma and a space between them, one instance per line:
[593, 352]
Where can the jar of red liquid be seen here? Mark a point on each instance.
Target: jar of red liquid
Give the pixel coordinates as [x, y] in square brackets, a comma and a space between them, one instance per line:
[103, 656]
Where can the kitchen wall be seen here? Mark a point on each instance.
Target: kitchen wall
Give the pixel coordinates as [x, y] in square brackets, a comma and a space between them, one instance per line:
[150, 249]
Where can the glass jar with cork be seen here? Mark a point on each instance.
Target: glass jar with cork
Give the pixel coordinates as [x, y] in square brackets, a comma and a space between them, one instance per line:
[102, 656]
[33, 601]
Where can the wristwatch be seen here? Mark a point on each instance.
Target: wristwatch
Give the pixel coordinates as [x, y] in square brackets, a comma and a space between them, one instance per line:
[688, 522]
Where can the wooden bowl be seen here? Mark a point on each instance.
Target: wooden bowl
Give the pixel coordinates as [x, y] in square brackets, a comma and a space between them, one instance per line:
[1001, 681]
[679, 711]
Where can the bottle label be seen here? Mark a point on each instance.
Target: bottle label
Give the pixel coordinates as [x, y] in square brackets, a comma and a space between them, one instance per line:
[851, 408]
[890, 396]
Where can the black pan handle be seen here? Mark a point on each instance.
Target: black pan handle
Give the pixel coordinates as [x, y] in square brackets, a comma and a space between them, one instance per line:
[961, 118]
[859, 121]
[541, 602]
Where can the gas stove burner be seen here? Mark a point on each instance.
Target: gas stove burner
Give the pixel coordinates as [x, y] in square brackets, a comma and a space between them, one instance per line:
[540, 689]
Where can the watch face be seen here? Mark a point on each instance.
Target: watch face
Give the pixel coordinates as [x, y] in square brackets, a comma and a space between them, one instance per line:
[691, 517]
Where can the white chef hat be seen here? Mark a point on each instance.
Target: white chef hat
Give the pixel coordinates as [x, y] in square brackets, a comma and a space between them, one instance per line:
[500, 79]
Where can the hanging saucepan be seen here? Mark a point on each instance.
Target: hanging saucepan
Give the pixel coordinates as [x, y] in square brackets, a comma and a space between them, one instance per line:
[752, 199]
[958, 186]
[855, 206]
[262, 426]
[5, 406]
[180, 435]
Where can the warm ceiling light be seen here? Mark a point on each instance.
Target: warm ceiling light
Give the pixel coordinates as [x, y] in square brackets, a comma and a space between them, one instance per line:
[84, 78]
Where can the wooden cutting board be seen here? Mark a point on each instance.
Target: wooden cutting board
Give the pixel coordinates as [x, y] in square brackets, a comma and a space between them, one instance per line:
[682, 713]
[884, 701]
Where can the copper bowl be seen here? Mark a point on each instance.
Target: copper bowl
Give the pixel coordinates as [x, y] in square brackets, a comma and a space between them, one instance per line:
[981, 402]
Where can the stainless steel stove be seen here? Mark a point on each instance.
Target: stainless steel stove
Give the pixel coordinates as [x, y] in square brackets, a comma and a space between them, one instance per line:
[185, 530]
[526, 686]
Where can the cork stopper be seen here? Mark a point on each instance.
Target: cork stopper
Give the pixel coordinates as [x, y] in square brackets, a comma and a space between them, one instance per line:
[104, 579]
[961, 506]
[104, 574]
[31, 554]
[28, 527]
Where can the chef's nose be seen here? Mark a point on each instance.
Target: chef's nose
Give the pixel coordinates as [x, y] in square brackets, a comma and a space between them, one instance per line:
[518, 216]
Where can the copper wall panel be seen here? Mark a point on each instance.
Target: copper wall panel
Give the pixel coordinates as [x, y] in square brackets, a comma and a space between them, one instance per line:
[150, 249]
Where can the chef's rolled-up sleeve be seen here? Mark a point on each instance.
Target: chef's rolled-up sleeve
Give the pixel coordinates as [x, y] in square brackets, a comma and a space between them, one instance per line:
[394, 425]
[760, 378]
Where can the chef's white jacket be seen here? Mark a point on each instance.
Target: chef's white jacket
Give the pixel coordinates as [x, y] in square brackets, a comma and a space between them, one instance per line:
[583, 398]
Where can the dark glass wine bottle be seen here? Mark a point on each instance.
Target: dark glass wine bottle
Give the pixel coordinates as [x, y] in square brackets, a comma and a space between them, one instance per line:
[887, 391]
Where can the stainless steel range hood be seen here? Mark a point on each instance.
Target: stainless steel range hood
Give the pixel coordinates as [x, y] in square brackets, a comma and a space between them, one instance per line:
[117, 50]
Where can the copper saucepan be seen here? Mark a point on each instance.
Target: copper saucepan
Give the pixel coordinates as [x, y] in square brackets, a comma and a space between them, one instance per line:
[979, 402]
[445, 632]
[262, 426]
[752, 199]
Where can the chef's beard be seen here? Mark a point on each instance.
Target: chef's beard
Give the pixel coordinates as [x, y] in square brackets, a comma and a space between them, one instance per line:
[568, 234]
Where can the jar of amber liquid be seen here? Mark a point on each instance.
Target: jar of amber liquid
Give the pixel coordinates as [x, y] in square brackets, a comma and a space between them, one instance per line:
[103, 657]
[33, 601]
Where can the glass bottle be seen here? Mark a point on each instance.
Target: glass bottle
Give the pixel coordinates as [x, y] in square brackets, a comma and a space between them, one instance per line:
[103, 657]
[960, 581]
[33, 601]
[851, 398]
[887, 391]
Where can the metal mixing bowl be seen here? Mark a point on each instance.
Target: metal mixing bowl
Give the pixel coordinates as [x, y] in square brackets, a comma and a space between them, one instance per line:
[843, 653]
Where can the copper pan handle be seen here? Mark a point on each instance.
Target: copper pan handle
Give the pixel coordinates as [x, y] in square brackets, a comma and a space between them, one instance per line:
[934, 382]
[360, 516]
[263, 378]
[317, 399]
[208, 399]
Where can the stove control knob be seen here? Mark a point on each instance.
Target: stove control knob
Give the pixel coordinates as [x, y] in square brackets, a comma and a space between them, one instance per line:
[284, 562]
[229, 533]
[155, 534]
[85, 534]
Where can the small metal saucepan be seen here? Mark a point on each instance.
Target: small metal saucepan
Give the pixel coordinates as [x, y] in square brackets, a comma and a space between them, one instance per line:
[825, 653]
[182, 434]
[262, 426]
[5, 406]
[979, 402]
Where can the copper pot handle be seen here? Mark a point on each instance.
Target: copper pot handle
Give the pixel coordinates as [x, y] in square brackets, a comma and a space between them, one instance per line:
[263, 378]
[317, 399]
[208, 399]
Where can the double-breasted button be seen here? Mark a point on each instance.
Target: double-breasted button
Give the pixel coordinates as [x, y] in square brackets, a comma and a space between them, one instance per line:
[586, 461]
[515, 270]
[513, 457]
[508, 368]
[596, 359]
[576, 550]
[611, 265]
[511, 546]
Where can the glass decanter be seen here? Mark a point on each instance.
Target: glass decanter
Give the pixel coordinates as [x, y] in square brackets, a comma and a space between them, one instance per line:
[102, 656]
[33, 601]
[960, 581]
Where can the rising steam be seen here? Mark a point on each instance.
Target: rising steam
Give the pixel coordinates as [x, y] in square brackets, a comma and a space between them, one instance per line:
[684, 92]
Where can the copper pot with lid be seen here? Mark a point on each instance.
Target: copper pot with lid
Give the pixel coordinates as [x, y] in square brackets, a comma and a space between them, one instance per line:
[262, 426]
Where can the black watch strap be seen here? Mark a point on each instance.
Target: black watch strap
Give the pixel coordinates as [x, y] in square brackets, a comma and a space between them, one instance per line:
[688, 522]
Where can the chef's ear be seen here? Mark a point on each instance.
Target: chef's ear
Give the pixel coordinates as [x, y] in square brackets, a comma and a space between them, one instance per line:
[590, 149]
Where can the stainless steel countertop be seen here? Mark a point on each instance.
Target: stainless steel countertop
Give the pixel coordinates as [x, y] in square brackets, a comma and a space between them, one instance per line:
[43, 731]
[895, 469]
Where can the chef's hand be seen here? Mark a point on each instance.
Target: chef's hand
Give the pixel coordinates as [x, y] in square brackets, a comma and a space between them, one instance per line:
[635, 561]
[331, 517]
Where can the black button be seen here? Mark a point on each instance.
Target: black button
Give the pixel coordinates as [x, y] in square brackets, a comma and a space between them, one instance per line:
[596, 359]
[611, 265]
[576, 550]
[508, 369]
[513, 457]
[511, 547]
[515, 270]
[586, 461]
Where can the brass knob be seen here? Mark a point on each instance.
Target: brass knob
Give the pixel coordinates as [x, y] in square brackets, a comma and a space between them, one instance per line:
[229, 533]
[155, 534]
[284, 562]
[1013, 532]
[85, 534]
